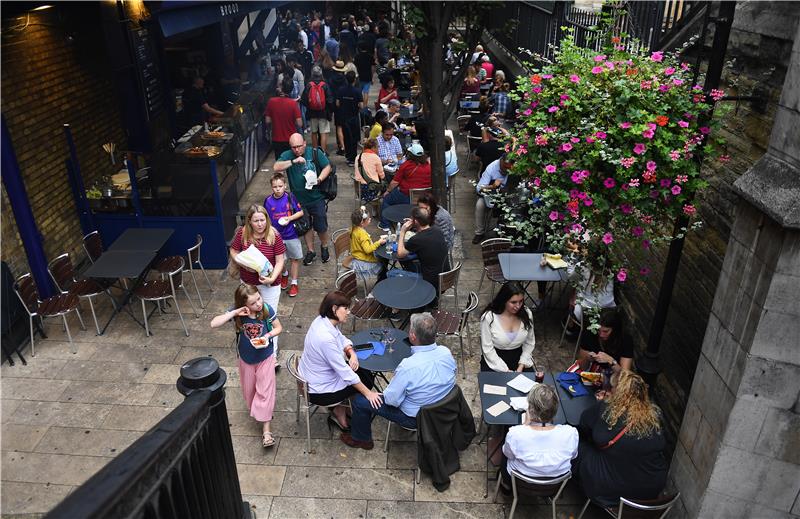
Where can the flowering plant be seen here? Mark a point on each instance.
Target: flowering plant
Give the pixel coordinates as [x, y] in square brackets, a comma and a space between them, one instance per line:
[606, 143]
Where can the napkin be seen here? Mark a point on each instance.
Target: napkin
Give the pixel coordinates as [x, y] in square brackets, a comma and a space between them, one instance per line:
[571, 382]
[519, 403]
[498, 408]
[377, 349]
[521, 383]
[494, 390]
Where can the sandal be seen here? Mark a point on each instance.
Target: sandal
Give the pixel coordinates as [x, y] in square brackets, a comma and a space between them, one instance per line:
[267, 440]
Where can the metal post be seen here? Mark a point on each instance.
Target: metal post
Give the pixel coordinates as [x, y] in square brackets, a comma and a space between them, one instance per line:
[77, 185]
[23, 214]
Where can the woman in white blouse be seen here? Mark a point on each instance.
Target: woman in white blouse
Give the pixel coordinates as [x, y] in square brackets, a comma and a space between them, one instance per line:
[507, 338]
[537, 448]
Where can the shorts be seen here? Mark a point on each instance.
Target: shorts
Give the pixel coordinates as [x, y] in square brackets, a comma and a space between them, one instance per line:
[320, 125]
[365, 86]
[294, 249]
[319, 215]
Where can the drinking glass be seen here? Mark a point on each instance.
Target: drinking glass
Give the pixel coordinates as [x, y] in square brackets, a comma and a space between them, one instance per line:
[390, 341]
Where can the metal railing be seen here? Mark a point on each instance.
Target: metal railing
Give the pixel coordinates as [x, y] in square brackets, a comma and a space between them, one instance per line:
[184, 467]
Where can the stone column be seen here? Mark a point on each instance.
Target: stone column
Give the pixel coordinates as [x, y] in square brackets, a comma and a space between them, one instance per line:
[738, 451]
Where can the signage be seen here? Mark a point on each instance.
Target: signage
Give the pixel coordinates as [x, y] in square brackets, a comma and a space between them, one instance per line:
[149, 79]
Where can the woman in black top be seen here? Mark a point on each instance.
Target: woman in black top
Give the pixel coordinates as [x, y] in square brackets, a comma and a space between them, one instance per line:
[610, 348]
[621, 453]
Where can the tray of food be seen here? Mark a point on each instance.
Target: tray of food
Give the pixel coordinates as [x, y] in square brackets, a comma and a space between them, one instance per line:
[203, 151]
[217, 135]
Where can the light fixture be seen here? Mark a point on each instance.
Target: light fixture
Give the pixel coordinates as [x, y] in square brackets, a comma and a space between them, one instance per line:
[42, 7]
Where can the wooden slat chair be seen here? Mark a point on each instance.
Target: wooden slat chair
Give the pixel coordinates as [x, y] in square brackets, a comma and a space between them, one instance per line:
[157, 290]
[193, 254]
[491, 264]
[457, 326]
[449, 281]
[93, 245]
[62, 273]
[367, 309]
[341, 244]
[56, 306]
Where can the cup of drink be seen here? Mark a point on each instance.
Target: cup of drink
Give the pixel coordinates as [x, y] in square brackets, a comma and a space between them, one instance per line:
[540, 376]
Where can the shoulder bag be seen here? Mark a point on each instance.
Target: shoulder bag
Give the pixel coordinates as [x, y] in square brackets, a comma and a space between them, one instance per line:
[303, 224]
[615, 439]
[328, 187]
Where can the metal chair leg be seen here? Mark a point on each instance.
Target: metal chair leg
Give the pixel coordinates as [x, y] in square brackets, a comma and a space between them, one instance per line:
[178, 308]
[80, 319]
[146, 325]
[461, 344]
[516, 497]
[30, 321]
[69, 335]
[199, 297]
[94, 316]
[196, 315]
[308, 431]
[210, 286]
[585, 506]
[497, 489]
[386, 442]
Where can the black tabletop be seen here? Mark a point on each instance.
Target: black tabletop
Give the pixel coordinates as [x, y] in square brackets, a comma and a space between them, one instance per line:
[396, 213]
[509, 417]
[573, 406]
[115, 264]
[141, 239]
[388, 361]
[381, 253]
[526, 267]
[404, 293]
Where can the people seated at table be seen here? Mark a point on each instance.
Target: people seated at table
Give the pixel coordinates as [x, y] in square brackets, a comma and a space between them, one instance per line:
[490, 150]
[442, 219]
[595, 290]
[381, 117]
[387, 93]
[369, 172]
[428, 244]
[492, 180]
[501, 103]
[610, 349]
[330, 365]
[390, 150]
[478, 120]
[537, 448]
[507, 336]
[414, 173]
[621, 452]
[472, 84]
[362, 247]
[424, 378]
[393, 112]
[450, 160]
[488, 68]
[499, 79]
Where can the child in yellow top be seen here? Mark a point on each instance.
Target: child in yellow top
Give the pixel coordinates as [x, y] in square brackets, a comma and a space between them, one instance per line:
[361, 245]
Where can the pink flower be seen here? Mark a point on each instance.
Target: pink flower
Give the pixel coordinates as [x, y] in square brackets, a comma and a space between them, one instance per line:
[651, 165]
[639, 148]
[537, 89]
[576, 228]
[609, 65]
[669, 71]
[553, 215]
[665, 182]
[565, 147]
[574, 193]
[609, 183]
[657, 56]
[608, 238]
[634, 182]
[645, 85]
[540, 140]
[625, 125]
[675, 155]
[527, 112]
[664, 88]
[644, 271]
[563, 97]
[600, 135]
[550, 168]
[547, 76]
[599, 58]
[677, 82]
[552, 109]
[575, 78]
[724, 158]
[622, 276]
[645, 244]
[676, 190]
[680, 179]
[537, 181]
[716, 94]
[587, 201]
[637, 231]
[683, 124]
[689, 210]
[648, 133]
[590, 140]
[597, 70]
[574, 140]
[626, 208]
[705, 130]
[627, 162]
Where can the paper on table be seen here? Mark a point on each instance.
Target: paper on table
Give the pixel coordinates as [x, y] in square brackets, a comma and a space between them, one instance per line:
[498, 408]
[519, 403]
[494, 390]
[521, 383]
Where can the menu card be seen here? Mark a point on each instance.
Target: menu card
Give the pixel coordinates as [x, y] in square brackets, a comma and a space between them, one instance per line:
[494, 390]
[498, 408]
[521, 383]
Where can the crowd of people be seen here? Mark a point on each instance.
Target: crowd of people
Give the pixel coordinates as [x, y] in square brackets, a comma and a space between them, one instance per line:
[616, 449]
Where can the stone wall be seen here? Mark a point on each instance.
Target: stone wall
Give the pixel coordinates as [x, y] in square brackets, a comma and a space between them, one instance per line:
[55, 71]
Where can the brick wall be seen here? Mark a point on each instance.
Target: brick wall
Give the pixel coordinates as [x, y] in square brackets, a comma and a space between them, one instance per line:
[55, 71]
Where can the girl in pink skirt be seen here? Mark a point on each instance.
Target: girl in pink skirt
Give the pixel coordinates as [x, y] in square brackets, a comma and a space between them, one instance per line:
[256, 325]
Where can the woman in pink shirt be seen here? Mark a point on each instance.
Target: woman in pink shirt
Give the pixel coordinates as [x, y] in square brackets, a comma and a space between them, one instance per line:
[369, 172]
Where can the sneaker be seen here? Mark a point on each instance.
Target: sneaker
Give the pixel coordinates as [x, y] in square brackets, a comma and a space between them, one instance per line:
[340, 152]
[477, 239]
[309, 259]
[284, 282]
[385, 229]
[293, 290]
[352, 442]
[396, 317]
[351, 163]
[325, 255]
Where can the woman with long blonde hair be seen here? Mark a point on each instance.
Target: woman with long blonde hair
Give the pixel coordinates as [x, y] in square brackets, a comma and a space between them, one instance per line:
[622, 447]
[258, 232]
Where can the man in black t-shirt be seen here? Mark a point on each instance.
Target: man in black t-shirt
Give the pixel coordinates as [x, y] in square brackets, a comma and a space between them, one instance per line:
[491, 150]
[365, 65]
[428, 244]
[348, 103]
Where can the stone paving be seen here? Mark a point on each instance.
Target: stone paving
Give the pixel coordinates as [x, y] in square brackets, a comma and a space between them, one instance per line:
[65, 415]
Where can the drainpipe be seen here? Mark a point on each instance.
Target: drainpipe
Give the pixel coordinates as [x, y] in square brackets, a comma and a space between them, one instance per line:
[20, 205]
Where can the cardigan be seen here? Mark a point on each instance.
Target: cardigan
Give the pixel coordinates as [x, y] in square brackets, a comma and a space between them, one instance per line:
[493, 336]
[362, 246]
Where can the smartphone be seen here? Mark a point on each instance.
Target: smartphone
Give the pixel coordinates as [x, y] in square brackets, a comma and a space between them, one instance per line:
[361, 347]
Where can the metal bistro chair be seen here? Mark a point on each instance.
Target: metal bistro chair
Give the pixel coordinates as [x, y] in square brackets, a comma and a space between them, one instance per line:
[367, 309]
[193, 254]
[525, 485]
[93, 245]
[414, 194]
[157, 290]
[572, 320]
[341, 244]
[453, 325]
[302, 392]
[417, 470]
[639, 509]
[449, 281]
[491, 265]
[62, 273]
[56, 306]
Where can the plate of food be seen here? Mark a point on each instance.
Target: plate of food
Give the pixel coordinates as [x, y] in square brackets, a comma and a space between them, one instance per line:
[215, 135]
[212, 151]
[196, 151]
[590, 378]
[259, 342]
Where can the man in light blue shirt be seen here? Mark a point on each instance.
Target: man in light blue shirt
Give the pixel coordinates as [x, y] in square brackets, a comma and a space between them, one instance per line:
[422, 379]
[494, 178]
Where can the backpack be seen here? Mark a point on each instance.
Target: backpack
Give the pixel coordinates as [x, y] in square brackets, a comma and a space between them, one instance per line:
[316, 96]
[328, 187]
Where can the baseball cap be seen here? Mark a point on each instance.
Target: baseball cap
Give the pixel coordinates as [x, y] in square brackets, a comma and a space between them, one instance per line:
[416, 150]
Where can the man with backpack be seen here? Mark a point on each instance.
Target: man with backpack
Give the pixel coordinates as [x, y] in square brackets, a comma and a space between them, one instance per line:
[318, 100]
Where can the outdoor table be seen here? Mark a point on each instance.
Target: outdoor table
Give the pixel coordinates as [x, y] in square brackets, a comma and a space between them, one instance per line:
[404, 293]
[509, 417]
[392, 258]
[388, 362]
[396, 213]
[139, 239]
[573, 406]
[116, 264]
[526, 268]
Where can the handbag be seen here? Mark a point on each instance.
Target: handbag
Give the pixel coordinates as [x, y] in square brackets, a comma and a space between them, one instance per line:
[328, 187]
[303, 224]
[378, 186]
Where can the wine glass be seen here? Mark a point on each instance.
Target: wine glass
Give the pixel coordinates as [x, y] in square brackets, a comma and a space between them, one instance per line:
[390, 341]
[386, 336]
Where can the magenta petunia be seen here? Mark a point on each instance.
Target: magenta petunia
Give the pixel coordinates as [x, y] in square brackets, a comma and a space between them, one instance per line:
[648, 133]
[537, 181]
[609, 183]
[665, 182]
[566, 147]
[574, 140]
[600, 134]
[639, 148]
[705, 130]
[597, 70]
[599, 58]
[637, 231]
[553, 215]
[550, 168]
[651, 165]
[669, 71]
[626, 208]
[552, 109]
[645, 244]
[657, 56]
[588, 202]
[683, 124]
[622, 275]
[608, 238]
[590, 140]
[625, 125]
[609, 65]
[676, 190]
[575, 78]
[527, 112]
[644, 271]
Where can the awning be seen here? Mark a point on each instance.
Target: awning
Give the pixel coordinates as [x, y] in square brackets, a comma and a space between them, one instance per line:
[178, 17]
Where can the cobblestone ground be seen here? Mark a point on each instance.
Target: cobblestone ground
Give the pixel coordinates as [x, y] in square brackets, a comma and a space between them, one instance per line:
[65, 415]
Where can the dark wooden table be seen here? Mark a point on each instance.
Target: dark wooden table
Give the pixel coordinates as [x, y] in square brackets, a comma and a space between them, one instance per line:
[137, 239]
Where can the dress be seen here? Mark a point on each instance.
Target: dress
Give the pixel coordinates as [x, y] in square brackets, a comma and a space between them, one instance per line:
[634, 468]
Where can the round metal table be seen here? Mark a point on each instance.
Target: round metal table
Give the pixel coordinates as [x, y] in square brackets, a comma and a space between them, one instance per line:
[396, 213]
[404, 293]
[388, 361]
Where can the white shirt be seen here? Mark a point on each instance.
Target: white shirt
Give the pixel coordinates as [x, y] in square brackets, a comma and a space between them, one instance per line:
[323, 365]
[592, 297]
[494, 337]
[541, 453]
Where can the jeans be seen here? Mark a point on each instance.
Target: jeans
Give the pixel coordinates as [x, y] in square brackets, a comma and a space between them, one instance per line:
[395, 197]
[363, 413]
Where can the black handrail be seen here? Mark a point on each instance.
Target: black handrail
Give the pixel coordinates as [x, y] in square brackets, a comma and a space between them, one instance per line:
[184, 467]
